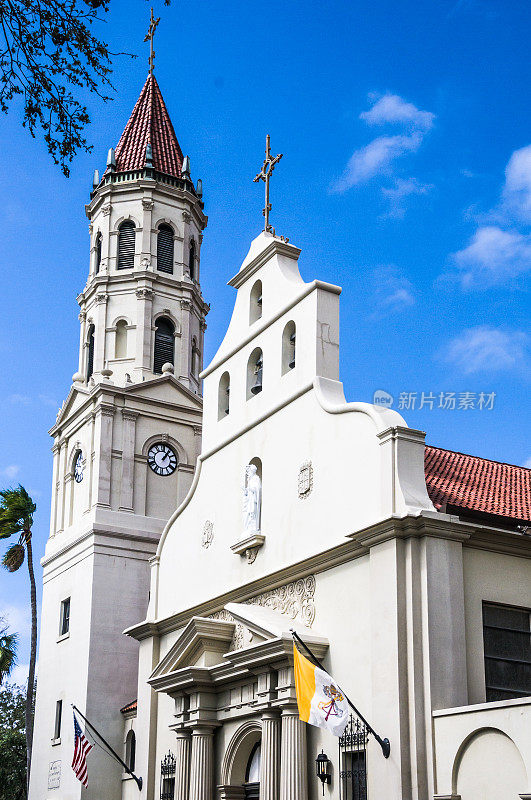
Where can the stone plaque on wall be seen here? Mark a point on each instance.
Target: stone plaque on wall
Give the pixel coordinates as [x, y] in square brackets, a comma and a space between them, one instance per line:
[54, 775]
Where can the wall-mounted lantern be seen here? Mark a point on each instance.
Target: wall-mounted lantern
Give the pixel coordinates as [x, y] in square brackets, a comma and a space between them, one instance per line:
[322, 766]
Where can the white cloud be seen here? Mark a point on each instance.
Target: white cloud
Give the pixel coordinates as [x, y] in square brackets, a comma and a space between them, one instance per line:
[501, 251]
[379, 158]
[516, 194]
[10, 472]
[19, 675]
[18, 618]
[486, 348]
[375, 158]
[21, 399]
[392, 108]
[402, 189]
[493, 256]
[393, 291]
[46, 400]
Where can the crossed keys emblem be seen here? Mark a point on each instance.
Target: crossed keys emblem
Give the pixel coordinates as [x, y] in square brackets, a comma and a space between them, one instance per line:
[264, 175]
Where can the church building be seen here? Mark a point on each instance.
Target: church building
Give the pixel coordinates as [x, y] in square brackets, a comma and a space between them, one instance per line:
[202, 514]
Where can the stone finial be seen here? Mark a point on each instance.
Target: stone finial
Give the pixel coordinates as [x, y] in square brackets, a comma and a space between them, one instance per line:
[167, 369]
[185, 171]
[199, 188]
[149, 155]
[106, 373]
[77, 377]
[96, 179]
[111, 159]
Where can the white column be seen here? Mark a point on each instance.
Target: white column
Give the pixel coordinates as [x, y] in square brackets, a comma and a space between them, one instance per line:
[60, 526]
[202, 764]
[55, 488]
[182, 765]
[103, 455]
[186, 343]
[147, 223]
[144, 324]
[128, 458]
[270, 757]
[100, 331]
[82, 332]
[293, 757]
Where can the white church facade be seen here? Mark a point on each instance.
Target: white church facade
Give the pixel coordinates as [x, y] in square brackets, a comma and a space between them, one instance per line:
[199, 516]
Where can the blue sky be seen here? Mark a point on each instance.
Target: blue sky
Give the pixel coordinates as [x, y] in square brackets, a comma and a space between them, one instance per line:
[406, 179]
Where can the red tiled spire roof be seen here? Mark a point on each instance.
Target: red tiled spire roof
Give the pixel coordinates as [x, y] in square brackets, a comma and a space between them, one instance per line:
[477, 484]
[149, 123]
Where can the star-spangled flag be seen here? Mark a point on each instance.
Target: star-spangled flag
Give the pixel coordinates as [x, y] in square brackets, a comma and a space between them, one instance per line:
[82, 748]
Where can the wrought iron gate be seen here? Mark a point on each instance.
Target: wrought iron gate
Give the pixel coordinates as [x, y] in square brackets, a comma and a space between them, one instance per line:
[167, 777]
[353, 761]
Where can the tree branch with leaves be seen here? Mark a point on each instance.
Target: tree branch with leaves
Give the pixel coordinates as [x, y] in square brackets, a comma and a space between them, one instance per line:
[48, 54]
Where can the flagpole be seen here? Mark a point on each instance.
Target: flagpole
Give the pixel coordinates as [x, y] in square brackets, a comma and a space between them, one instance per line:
[106, 743]
[384, 743]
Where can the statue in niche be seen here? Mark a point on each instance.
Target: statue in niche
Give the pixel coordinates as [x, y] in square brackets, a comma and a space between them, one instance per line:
[252, 500]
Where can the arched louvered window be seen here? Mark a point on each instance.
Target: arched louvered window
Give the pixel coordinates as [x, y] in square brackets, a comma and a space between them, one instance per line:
[191, 259]
[164, 344]
[165, 249]
[126, 245]
[90, 353]
[97, 255]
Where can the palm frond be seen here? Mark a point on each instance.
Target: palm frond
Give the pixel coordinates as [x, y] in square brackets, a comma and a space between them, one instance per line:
[16, 511]
[14, 557]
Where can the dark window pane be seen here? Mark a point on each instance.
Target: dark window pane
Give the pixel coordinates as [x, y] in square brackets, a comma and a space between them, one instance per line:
[507, 648]
[164, 345]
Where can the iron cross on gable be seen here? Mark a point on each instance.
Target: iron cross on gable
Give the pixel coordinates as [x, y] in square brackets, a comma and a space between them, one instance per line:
[150, 35]
[264, 175]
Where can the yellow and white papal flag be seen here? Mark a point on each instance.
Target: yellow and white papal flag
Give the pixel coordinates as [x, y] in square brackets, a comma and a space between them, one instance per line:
[321, 702]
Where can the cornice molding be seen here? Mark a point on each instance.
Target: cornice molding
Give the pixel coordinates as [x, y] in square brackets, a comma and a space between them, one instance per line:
[274, 248]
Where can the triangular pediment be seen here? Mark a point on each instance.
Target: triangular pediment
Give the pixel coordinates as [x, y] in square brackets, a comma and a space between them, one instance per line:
[75, 398]
[201, 644]
[164, 387]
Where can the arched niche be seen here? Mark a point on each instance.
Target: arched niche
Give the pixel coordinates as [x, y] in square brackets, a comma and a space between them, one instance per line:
[224, 396]
[238, 753]
[255, 302]
[488, 764]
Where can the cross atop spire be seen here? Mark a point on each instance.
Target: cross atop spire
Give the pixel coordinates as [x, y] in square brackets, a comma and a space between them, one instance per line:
[264, 175]
[150, 35]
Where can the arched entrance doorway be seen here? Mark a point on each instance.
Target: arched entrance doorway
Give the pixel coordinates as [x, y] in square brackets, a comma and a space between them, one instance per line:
[252, 774]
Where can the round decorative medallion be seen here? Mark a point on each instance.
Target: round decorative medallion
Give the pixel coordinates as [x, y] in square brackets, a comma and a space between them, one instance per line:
[162, 459]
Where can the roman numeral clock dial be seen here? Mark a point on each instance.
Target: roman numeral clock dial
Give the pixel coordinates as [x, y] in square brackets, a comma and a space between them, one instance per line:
[162, 459]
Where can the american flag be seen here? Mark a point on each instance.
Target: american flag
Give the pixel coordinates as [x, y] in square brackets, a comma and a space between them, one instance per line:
[82, 748]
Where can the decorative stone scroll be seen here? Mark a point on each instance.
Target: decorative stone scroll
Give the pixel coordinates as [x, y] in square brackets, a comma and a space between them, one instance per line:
[305, 479]
[296, 600]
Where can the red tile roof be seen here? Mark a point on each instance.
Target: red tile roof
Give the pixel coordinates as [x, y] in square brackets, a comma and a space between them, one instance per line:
[477, 484]
[149, 123]
[130, 707]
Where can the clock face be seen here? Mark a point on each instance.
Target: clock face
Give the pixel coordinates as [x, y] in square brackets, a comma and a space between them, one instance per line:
[162, 459]
[79, 467]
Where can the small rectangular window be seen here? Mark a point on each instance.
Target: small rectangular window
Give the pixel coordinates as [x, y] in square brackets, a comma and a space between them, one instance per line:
[64, 625]
[507, 650]
[58, 715]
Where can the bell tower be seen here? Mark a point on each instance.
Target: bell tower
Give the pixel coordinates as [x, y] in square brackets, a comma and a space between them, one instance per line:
[126, 440]
[146, 222]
